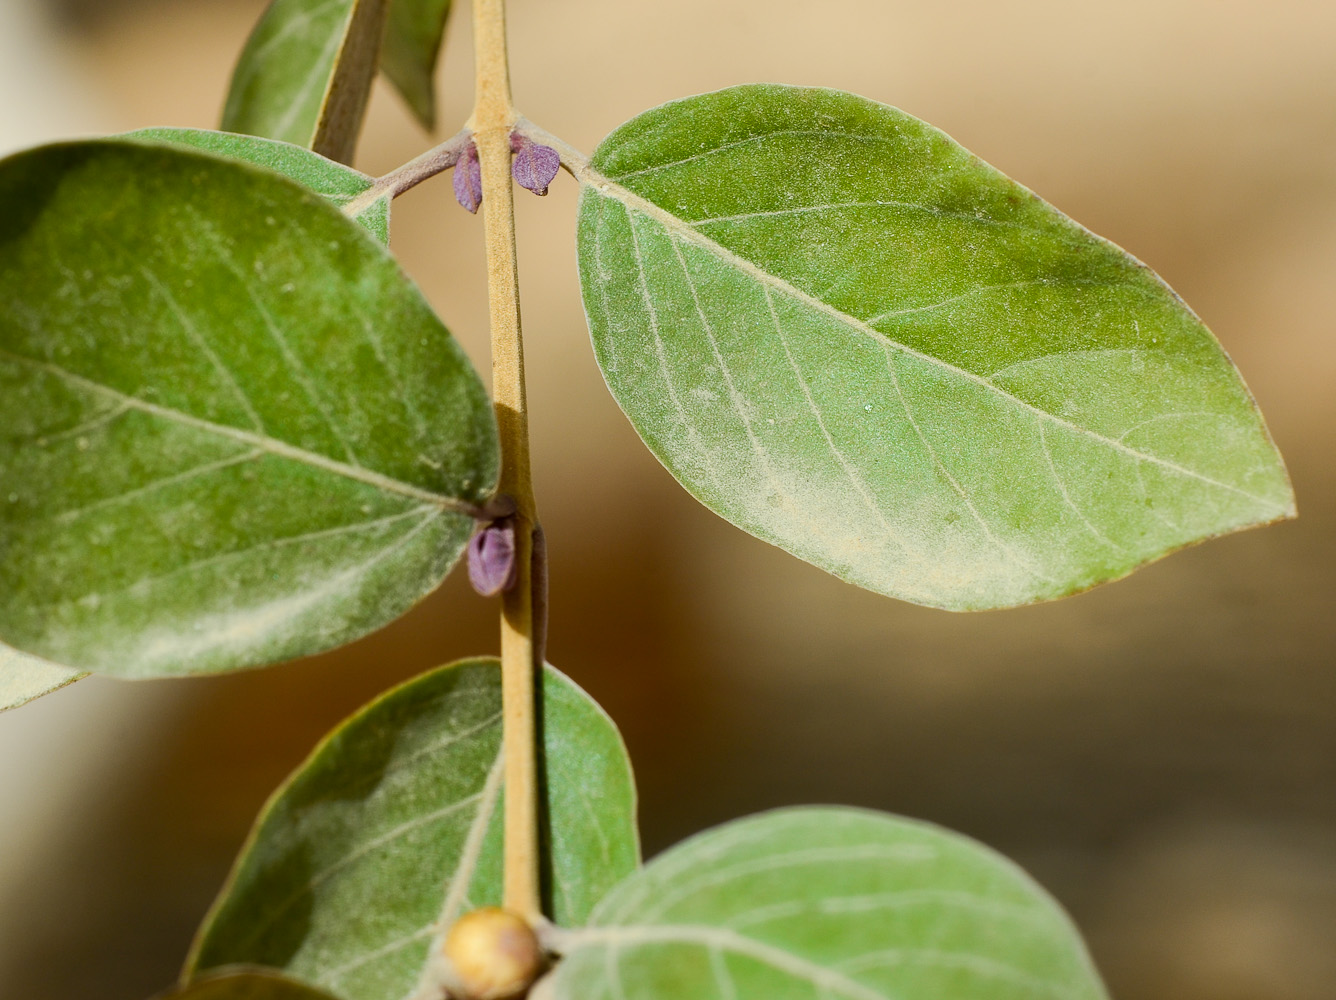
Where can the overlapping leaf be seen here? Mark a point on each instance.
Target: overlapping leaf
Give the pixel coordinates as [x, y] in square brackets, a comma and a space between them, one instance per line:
[410, 51]
[305, 74]
[839, 904]
[393, 828]
[852, 338]
[245, 984]
[23, 678]
[338, 183]
[231, 430]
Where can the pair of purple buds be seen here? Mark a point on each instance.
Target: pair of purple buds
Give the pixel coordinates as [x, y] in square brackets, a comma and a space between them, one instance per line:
[533, 166]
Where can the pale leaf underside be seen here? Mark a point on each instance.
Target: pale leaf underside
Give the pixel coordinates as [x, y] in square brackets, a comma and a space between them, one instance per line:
[23, 678]
[850, 337]
[392, 829]
[826, 904]
[338, 183]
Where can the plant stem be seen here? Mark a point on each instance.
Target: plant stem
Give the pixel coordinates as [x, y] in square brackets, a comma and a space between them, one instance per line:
[492, 122]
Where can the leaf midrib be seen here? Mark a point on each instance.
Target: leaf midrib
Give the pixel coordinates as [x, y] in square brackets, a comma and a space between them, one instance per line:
[599, 182]
[273, 446]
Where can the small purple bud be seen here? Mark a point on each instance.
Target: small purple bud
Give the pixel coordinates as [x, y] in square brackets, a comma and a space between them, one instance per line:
[492, 566]
[534, 166]
[468, 179]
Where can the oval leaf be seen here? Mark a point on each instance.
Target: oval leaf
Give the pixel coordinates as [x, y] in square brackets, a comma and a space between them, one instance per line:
[840, 904]
[231, 431]
[244, 983]
[410, 51]
[305, 74]
[850, 337]
[23, 678]
[393, 828]
[341, 185]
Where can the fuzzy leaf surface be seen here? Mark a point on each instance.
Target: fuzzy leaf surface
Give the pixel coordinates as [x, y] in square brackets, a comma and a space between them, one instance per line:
[852, 338]
[243, 983]
[410, 51]
[23, 678]
[232, 431]
[305, 74]
[324, 176]
[840, 904]
[393, 828]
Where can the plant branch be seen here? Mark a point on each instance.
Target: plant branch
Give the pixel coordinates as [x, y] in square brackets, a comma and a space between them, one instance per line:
[492, 122]
[573, 161]
[434, 161]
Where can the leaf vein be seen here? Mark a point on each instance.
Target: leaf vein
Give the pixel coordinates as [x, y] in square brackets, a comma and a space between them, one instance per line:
[609, 188]
[273, 446]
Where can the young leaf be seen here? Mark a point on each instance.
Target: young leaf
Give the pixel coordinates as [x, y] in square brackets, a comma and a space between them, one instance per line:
[231, 430]
[23, 678]
[850, 337]
[410, 50]
[392, 829]
[840, 904]
[243, 983]
[336, 182]
[305, 74]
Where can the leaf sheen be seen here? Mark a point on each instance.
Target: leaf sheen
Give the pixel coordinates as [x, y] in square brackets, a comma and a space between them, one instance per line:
[833, 903]
[854, 339]
[231, 430]
[392, 828]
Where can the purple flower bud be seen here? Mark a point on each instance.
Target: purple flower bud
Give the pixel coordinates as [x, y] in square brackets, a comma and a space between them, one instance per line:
[468, 179]
[534, 166]
[492, 567]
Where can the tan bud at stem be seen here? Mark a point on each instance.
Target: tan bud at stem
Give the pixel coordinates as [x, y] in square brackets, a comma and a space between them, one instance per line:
[494, 954]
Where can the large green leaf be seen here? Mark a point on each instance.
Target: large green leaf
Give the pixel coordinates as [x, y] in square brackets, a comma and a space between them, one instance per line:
[23, 678]
[850, 337]
[410, 50]
[338, 183]
[393, 828]
[231, 430]
[245, 984]
[305, 74]
[826, 904]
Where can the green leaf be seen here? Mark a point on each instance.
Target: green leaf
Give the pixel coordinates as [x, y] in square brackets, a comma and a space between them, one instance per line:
[245, 984]
[410, 50]
[840, 904]
[231, 430]
[23, 678]
[336, 182]
[393, 828]
[305, 74]
[850, 337]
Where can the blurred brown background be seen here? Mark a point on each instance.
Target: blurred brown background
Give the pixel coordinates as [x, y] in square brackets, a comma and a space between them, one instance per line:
[1161, 752]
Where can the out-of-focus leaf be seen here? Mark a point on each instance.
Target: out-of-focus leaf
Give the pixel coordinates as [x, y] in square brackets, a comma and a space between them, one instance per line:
[850, 337]
[393, 828]
[305, 74]
[23, 678]
[231, 430]
[338, 183]
[245, 983]
[813, 903]
[410, 51]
